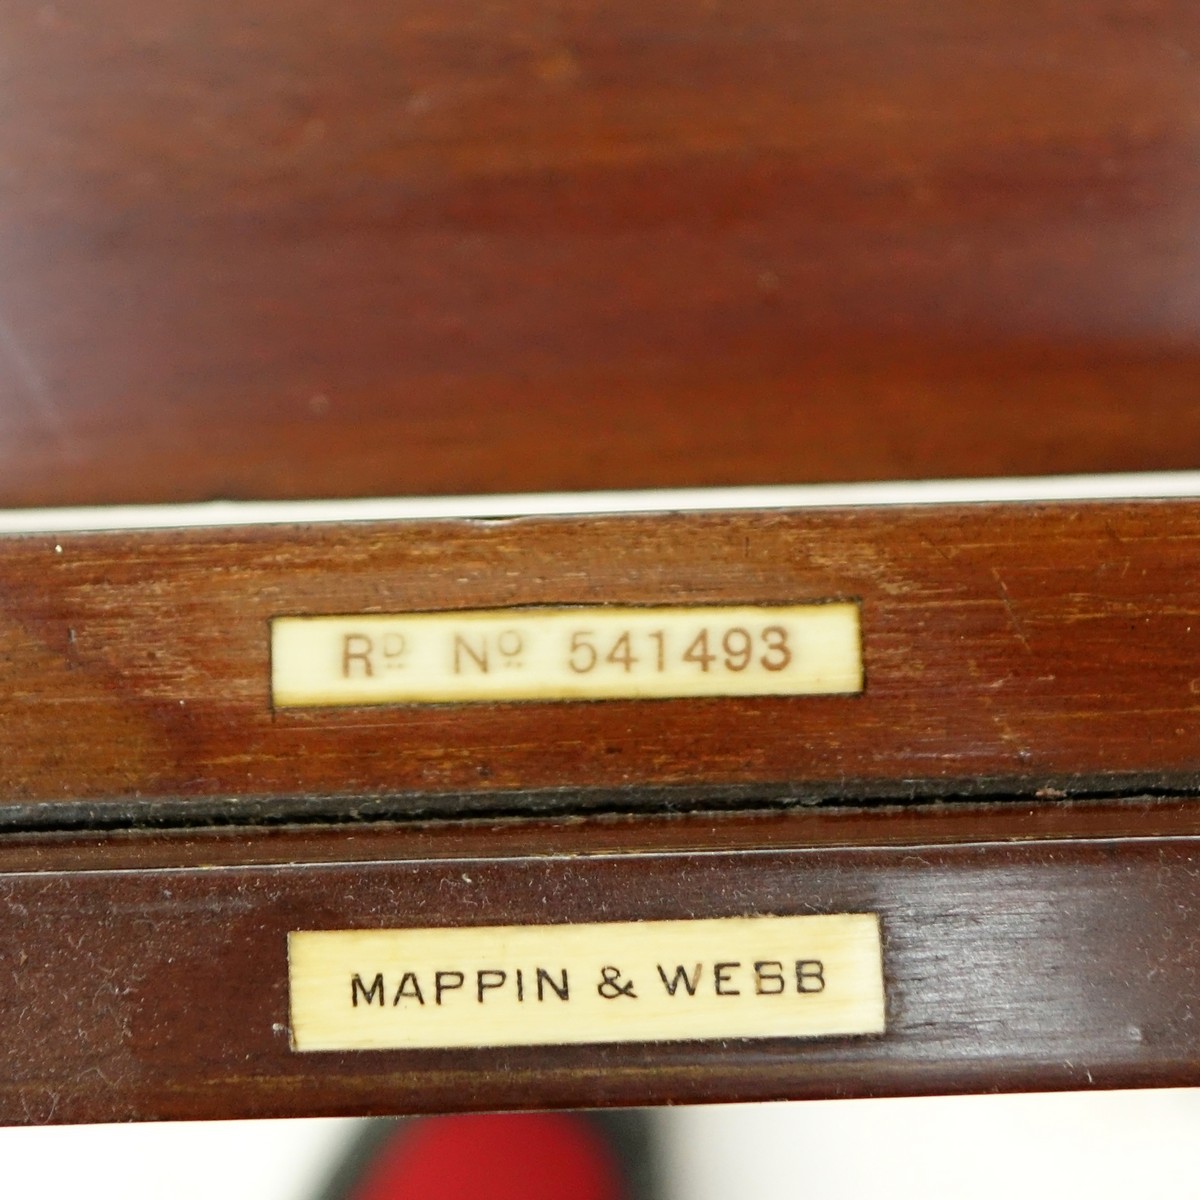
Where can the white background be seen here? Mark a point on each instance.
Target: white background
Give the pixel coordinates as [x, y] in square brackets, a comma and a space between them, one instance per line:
[1098, 1145]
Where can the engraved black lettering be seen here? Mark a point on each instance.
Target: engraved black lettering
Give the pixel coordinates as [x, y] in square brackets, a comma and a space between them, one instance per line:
[583, 653]
[721, 978]
[375, 992]
[660, 638]
[486, 981]
[738, 647]
[622, 653]
[612, 986]
[395, 647]
[778, 655]
[357, 648]
[511, 643]
[409, 989]
[763, 977]
[440, 987]
[690, 983]
[810, 975]
[463, 650]
[698, 652]
[544, 977]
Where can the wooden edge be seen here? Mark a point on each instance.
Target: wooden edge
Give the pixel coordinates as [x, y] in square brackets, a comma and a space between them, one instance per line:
[899, 825]
[1019, 953]
[1005, 650]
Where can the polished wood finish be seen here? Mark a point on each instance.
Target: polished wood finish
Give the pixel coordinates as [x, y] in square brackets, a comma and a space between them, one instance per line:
[443, 247]
[166, 829]
[1014, 959]
[1009, 649]
[281, 251]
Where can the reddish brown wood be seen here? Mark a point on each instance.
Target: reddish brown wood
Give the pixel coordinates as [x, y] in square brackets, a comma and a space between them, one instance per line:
[253, 250]
[138, 990]
[1015, 650]
[250, 249]
[356, 841]
[1008, 649]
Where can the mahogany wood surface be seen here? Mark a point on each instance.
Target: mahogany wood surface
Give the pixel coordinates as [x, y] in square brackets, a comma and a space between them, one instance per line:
[253, 251]
[1014, 959]
[1008, 649]
[256, 250]
[166, 829]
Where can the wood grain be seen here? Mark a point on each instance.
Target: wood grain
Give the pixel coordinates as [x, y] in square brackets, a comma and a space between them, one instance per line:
[252, 251]
[1008, 650]
[1012, 961]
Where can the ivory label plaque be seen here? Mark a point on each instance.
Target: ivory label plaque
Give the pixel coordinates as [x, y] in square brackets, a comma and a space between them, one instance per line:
[639, 981]
[588, 653]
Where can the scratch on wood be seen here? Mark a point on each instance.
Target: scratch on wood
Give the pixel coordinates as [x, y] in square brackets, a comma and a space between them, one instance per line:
[1013, 619]
[32, 381]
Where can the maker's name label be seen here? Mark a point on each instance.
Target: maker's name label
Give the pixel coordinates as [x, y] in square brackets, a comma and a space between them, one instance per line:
[566, 654]
[637, 981]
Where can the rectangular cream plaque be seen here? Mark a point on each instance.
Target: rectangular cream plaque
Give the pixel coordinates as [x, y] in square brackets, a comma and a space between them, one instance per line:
[582, 653]
[635, 981]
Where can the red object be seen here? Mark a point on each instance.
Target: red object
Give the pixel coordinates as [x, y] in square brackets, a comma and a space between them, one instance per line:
[525, 1156]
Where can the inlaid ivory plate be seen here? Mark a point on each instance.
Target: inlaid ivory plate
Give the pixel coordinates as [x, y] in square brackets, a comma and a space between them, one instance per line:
[587, 653]
[635, 981]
